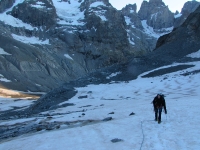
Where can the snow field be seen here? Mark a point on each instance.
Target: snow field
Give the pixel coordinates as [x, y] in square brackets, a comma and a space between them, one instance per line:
[179, 128]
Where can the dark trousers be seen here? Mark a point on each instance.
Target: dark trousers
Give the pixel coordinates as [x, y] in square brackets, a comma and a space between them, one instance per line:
[158, 112]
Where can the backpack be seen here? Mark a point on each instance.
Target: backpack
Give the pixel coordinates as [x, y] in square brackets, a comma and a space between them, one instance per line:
[159, 102]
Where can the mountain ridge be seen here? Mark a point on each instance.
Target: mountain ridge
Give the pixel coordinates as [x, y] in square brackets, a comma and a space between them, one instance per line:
[45, 45]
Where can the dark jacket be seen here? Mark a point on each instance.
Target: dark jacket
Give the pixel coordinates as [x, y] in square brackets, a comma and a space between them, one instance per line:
[159, 102]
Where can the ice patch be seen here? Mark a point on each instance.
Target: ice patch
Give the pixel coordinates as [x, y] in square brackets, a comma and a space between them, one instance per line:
[29, 40]
[2, 52]
[128, 20]
[177, 16]
[3, 79]
[130, 37]
[67, 56]
[113, 75]
[39, 5]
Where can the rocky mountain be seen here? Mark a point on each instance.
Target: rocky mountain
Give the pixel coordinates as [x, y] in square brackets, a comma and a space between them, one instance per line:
[157, 14]
[45, 43]
[184, 39]
[188, 8]
[145, 27]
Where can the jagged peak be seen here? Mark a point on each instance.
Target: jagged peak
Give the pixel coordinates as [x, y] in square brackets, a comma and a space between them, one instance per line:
[190, 6]
[155, 1]
[86, 3]
[93, 1]
[130, 7]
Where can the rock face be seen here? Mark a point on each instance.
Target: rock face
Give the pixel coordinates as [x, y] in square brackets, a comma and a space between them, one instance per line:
[184, 39]
[55, 45]
[5, 4]
[157, 14]
[37, 15]
[188, 8]
[152, 20]
[140, 41]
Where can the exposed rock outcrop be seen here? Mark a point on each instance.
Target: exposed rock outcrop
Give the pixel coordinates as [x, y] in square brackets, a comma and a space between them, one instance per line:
[139, 40]
[37, 15]
[57, 45]
[5, 4]
[157, 14]
[188, 8]
[184, 39]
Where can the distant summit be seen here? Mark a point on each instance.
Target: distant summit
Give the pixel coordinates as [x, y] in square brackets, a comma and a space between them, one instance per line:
[157, 14]
[184, 39]
[188, 8]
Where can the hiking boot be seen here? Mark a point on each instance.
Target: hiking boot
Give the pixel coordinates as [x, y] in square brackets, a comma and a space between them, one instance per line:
[159, 121]
[156, 119]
